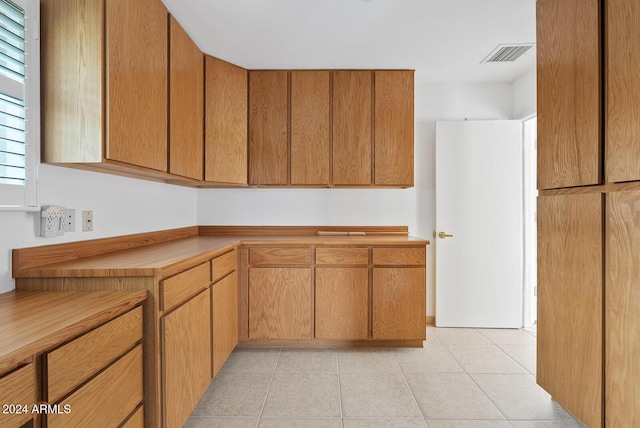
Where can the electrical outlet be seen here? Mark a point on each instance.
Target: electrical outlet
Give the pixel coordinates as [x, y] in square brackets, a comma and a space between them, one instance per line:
[50, 221]
[87, 221]
[68, 221]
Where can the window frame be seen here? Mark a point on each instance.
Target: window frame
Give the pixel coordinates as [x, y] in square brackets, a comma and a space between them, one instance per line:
[16, 197]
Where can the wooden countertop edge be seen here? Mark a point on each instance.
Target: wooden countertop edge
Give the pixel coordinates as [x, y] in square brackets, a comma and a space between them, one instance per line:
[108, 305]
[25, 260]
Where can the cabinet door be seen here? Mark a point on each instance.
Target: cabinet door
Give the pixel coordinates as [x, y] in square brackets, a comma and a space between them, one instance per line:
[310, 127]
[226, 122]
[623, 93]
[569, 94]
[186, 356]
[136, 76]
[570, 344]
[399, 303]
[280, 303]
[225, 319]
[268, 127]
[352, 125]
[622, 310]
[342, 303]
[186, 114]
[393, 128]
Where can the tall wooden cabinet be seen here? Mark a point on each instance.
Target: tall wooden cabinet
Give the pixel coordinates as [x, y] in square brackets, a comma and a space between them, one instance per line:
[570, 298]
[589, 181]
[623, 97]
[569, 93]
[104, 87]
[622, 315]
[186, 109]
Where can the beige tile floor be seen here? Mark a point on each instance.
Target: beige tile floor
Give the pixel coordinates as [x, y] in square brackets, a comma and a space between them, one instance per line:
[462, 378]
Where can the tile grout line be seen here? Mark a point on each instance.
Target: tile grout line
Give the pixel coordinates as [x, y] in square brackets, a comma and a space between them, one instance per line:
[476, 383]
[264, 403]
[505, 352]
[415, 400]
[339, 388]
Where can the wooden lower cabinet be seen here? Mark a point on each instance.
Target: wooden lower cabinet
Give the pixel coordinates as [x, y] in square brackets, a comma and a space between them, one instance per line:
[19, 388]
[224, 304]
[399, 303]
[280, 305]
[77, 361]
[570, 303]
[622, 310]
[186, 358]
[342, 303]
[118, 389]
[355, 294]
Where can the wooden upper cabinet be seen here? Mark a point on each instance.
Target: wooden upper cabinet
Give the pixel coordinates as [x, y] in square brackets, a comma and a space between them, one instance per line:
[569, 92]
[226, 122]
[352, 125]
[310, 127]
[268, 127]
[393, 132]
[186, 93]
[104, 83]
[136, 75]
[570, 303]
[72, 90]
[623, 90]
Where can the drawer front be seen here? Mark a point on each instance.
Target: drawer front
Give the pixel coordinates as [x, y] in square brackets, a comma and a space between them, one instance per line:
[18, 388]
[224, 265]
[404, 256]
[182, 286]
[107, 399]
[75, 362]
[298, 256]
[342, 256]
[136, 420]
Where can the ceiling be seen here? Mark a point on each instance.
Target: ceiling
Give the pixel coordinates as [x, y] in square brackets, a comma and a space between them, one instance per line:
[443, 40]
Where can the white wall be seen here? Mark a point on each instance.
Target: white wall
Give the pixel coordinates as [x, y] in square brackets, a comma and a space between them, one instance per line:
[524, 96]
[120, 206]
[413, 207]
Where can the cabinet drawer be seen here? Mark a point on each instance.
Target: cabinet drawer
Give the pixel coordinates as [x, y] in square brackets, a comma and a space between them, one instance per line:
[136, 420]
[180, 287]
[18, 388]
[399, 256]
[280, 256]
[75, 362]
[342, 256]
[107, 399]
[223, 265]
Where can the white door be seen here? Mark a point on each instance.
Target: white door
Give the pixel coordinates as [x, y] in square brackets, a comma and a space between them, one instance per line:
[479, 271]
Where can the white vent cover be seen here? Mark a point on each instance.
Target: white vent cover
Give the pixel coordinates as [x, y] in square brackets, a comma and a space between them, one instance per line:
[507, 53]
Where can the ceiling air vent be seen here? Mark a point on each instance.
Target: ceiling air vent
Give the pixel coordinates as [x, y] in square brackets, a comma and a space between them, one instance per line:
[507, 53]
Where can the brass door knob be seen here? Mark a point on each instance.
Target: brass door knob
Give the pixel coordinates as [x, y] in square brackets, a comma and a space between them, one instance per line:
[443, 235]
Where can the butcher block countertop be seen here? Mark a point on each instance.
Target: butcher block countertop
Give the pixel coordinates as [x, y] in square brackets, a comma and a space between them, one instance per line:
[34, 321]
[165, 253]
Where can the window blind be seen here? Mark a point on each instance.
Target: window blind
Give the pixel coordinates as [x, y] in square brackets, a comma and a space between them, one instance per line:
[12, 94]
